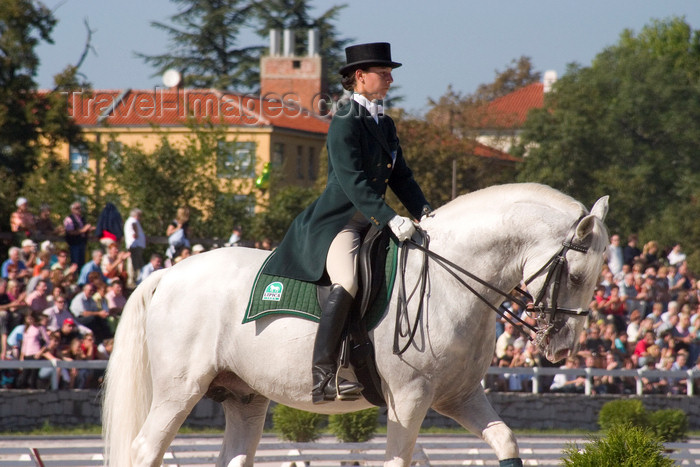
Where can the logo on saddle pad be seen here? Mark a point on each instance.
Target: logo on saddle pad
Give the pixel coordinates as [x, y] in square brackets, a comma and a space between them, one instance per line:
[273, 292]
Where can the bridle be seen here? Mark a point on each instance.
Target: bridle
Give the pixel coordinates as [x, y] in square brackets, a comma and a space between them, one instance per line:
[545, 314]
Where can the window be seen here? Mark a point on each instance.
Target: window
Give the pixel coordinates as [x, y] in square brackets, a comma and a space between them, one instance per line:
[278, 155]
[235, 159]
[313, 169]
[79, 157]
[115, 150]
[300, 162]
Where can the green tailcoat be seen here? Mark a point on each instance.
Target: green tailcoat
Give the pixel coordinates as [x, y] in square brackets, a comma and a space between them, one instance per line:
[360, 167]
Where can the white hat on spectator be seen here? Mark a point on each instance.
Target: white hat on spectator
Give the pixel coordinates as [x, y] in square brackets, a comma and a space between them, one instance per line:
[47, 245]
[197, 248]
[28, 242]
[20, 201]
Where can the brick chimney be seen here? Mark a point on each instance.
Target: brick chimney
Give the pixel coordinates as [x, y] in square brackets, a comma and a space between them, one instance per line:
[283, 75]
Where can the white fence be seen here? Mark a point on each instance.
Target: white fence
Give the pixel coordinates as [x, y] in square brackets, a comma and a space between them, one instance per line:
[589, 373]
[534, 373]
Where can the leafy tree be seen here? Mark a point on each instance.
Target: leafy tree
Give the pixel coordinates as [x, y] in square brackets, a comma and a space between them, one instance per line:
[281, 209]
[205, 45]
[465, 115]
[206, 40]
[627, 126]
[175, 175]
[519, 74]
[431, 149]
[31, 123]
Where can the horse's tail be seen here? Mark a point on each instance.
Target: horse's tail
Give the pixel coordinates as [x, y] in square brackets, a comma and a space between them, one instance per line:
[128, 386]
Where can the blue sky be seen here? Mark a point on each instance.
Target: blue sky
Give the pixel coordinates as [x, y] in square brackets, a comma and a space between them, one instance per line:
[442, 42]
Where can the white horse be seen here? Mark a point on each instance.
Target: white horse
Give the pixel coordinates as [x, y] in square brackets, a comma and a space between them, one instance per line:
[181, 334]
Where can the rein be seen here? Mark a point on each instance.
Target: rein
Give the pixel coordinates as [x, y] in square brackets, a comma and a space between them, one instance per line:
[555, 267]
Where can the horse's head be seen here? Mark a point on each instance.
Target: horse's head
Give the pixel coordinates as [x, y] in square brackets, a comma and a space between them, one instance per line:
[565, 284]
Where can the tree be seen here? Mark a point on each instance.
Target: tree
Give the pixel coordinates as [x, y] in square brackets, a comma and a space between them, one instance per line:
[627, 126]
[430, 150]
[175, 175]
[31, 123]
[204, 40]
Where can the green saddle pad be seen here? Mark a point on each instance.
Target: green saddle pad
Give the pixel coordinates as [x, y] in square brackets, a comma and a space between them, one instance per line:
[281, 295]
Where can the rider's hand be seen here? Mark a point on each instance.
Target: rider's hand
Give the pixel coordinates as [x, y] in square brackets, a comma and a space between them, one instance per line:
[402, 227]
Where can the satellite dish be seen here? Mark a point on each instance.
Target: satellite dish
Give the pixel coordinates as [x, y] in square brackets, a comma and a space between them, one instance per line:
[172, 78]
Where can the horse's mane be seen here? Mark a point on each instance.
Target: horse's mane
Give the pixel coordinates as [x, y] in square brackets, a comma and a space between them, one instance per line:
[487, 200]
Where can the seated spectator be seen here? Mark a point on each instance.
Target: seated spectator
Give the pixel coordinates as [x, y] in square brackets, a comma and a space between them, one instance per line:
[114, 263]
[12, 306]
[154, 264]
[34, 339]
[28, 254]
[681, 333]
[90, 314]
[59, 314]
[94, 265]
[612, 384]
[104, 350]
[569, 383]
[633, 328]
[63, 264]
[70, 331]
[52, 352]
[43, 275]
[614, 306]
[38, 299]
[679, 385]
[115, 297]
[18, 265]
[594, 344]
[641, 349]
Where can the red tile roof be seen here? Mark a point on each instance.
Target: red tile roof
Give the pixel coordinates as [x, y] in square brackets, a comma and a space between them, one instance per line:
[510, 111]
[482, 150]
[170, 107]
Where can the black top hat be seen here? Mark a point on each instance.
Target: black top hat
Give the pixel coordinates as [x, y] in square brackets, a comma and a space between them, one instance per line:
[367, 55]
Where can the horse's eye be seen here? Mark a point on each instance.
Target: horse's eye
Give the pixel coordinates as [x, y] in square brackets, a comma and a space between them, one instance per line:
[576, 279]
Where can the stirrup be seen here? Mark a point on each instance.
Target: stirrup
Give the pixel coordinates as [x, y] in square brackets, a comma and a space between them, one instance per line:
[351, 393]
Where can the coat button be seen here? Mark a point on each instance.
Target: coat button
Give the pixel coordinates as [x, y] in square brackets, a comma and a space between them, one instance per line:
[388, 166]
[374, 179]
[386, 180]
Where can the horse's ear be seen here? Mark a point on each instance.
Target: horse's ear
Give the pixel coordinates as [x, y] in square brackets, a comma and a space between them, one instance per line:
[600, 208]
[585, 227]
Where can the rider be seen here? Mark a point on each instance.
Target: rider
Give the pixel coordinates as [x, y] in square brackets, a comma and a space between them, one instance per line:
[322, 243]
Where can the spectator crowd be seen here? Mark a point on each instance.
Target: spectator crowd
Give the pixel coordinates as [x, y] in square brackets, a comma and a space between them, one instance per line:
[59, 301]
[63, 287]
[643, 315]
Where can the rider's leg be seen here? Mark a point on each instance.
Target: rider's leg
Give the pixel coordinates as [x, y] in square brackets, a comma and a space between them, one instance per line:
[341, 265]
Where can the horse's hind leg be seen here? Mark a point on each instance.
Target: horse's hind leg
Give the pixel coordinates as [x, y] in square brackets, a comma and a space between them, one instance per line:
[245, 419]
[477, 416]
[170, 407]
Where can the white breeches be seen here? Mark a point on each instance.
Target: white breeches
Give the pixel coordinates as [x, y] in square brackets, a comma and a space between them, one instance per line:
[341, 262]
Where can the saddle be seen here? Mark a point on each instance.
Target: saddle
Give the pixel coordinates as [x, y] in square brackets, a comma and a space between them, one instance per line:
[357, 349]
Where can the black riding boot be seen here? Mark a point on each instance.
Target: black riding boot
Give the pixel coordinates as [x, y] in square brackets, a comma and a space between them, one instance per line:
[326, 349]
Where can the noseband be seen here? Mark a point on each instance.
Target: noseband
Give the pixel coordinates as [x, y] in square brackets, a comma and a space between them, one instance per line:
[555, 268]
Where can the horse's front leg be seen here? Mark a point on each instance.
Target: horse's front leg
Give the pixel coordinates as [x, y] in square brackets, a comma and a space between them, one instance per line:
[406, 412]
[476, 415]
